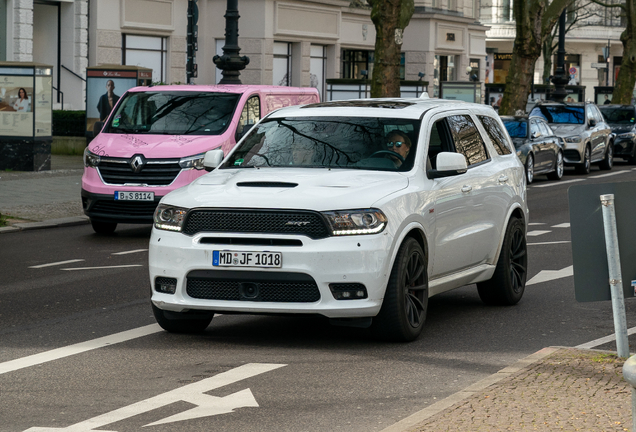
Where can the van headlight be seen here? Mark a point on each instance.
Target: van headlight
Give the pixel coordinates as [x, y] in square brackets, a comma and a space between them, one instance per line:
[356, 222]
[90, 159]
[169, 218]
[195, 162]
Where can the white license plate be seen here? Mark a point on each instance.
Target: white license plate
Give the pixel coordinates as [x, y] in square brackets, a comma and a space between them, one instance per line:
[134, 196]
[246, 259]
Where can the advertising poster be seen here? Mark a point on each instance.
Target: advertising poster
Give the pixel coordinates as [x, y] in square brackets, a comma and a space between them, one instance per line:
[103, 90]
[43, 105]
[16, 110]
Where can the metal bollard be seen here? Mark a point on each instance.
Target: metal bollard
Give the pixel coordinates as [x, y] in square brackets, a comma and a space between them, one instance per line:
[629, 373]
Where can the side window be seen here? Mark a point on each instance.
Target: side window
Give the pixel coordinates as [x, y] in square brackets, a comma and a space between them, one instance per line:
[589, 112]
[534, 129]
[467, 139]
[439, 141]
[598, 115]
[545, 130]
[496, 134]
[249, 116]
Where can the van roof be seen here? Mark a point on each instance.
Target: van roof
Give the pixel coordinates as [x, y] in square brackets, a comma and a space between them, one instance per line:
[226, 88]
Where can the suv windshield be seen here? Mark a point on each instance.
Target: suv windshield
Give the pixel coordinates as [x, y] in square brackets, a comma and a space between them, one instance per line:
[560, 113]
[618, 115]
[174, 113]
[516, 128]
[329, 142]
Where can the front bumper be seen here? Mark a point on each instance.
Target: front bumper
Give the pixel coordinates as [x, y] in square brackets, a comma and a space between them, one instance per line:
[623, 147]
[361, 260]
[573, 152]
[104, 208]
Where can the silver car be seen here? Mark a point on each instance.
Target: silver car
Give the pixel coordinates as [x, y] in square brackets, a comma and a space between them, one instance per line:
[588, 138]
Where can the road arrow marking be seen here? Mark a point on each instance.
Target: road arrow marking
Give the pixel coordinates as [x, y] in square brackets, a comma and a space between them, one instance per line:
[563, 225]
[193, 393]
[537, 233]
[103, 267]
[548, 275]
[56, 263]
[130, 252]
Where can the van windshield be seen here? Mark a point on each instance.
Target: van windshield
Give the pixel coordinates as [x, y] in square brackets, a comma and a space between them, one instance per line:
[174, 113]
[329, 142]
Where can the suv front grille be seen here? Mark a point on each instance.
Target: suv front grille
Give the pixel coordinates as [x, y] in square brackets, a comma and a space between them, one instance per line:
[572, 155]
[153, 172]
[307, 223]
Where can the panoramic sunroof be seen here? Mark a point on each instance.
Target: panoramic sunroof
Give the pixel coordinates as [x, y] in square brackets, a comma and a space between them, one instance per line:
[362, 104]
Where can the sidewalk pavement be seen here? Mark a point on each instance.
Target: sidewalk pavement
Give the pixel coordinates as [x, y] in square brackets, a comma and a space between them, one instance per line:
[556, 388]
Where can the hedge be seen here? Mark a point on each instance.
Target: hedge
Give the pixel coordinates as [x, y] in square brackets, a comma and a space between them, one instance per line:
[69, 123]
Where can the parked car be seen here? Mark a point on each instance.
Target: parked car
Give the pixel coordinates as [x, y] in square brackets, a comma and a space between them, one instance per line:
[621, 118]
[538, 147]
[154, 140]
[356, 210]
[588, 139]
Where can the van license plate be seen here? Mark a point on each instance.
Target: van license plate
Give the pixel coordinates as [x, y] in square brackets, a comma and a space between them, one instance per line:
[134, 196]
[247, 259]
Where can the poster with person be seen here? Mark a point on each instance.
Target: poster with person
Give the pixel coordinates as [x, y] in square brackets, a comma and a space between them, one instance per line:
[16, 110]
[103, 93]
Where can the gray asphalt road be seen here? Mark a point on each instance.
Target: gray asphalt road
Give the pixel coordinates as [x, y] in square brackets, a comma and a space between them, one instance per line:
[279, 373]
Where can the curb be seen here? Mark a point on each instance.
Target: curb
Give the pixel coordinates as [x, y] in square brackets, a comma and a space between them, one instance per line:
[414, 419]
[50, 223]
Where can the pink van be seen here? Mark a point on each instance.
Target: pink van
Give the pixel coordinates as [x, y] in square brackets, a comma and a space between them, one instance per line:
[155, 139]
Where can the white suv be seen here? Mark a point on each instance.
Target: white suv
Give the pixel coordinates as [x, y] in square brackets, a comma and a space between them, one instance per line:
[356, 210]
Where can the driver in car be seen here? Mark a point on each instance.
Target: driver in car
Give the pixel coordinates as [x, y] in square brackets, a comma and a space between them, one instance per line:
[398, 142]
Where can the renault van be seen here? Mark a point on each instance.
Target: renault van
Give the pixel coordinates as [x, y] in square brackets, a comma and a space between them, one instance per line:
[155, 139]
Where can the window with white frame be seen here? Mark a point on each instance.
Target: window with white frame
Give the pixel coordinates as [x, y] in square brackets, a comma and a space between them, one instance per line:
[317, 65]
[282, 64]
[146, 51]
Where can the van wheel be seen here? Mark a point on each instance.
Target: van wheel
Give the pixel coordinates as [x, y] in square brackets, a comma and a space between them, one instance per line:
[584, 168]
[507, 284]
[608, 162]
[103, 227]
[178, 322]
[403, 311]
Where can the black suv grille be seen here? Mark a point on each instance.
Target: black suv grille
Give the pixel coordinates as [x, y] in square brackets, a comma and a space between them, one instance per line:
[572, 155]
[154, 172]
[277, 287]
[306, 223]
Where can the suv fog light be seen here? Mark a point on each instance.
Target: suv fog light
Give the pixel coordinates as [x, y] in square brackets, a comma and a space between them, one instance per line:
[165, 285]
[348, 291]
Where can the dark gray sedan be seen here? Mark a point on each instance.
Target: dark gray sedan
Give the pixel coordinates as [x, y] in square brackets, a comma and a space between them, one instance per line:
[621, 118]
[538, 148]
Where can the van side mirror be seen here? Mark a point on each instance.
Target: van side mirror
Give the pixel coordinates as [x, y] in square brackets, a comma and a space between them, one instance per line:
[448, 164]
[97, 128]
[212, 159]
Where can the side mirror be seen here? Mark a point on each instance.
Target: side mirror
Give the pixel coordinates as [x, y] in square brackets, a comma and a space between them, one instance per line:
[212, 159]
[448, 164]
[592, 122]
[97, 128]
[535, 134]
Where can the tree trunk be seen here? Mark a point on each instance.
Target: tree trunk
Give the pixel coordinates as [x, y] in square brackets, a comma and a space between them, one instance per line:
[626, 79]
[390, 18]
[518, 84]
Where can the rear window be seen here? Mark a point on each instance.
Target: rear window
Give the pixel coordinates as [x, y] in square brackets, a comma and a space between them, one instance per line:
[618, 115]
[560, 114]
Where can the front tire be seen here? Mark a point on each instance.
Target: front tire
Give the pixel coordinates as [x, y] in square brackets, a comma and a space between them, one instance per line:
[403, 312]
[584, 168]
[529, 168]
[557, 174]
[179, 322]
[507, 284]
[103, 227]
[608, 162]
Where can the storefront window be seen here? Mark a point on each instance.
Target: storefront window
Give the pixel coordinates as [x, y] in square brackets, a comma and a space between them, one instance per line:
[356, 61]
[147, 51]
[282, 64]
[501, 66]
[317, 64]
[572, 68]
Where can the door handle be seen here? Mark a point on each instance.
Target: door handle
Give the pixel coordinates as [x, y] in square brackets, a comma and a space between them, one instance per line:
[503, 178]
[466, 188]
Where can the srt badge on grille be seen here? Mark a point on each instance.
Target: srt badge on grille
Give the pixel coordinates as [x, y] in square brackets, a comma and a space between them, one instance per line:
[137, 163]
[297, 223]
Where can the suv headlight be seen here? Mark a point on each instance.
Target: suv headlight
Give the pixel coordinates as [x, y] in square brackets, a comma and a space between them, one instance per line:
[90, 159]
[169, 217]
[195, 161]
[572, 139]
[629, 135]
[356, 222]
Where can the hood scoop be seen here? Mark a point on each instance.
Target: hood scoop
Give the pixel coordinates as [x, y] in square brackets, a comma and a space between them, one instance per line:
[267, 184]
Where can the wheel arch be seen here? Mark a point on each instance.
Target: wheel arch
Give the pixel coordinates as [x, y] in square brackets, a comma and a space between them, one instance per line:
[515, 211]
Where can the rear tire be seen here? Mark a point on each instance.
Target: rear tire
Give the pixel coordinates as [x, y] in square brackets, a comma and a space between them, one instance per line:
[178, 322]
[558, 168]
[403, 311]
[103, 227]
[608, 161]
[529, 168]
[584, 168]
[507, 284]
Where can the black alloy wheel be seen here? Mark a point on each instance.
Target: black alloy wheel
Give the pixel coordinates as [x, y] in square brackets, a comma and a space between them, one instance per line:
[529, 168]
[403, 311]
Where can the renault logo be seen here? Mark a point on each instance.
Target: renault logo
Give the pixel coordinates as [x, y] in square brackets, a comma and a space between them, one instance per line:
[137, 163]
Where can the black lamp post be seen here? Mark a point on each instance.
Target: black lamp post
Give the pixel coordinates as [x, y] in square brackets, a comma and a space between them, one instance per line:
[560, 78]
[230, 62]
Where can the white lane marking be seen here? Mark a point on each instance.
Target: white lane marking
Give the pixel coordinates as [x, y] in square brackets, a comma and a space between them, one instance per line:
[536, 233]
[548, 243]
[130, 252]
[563, 225]
[558, 183]
[536, 223]
[56, 263]
[58, 353]
[603, 340]
[609, 174]
[194, 393]
[548, 275]
[103, 267]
